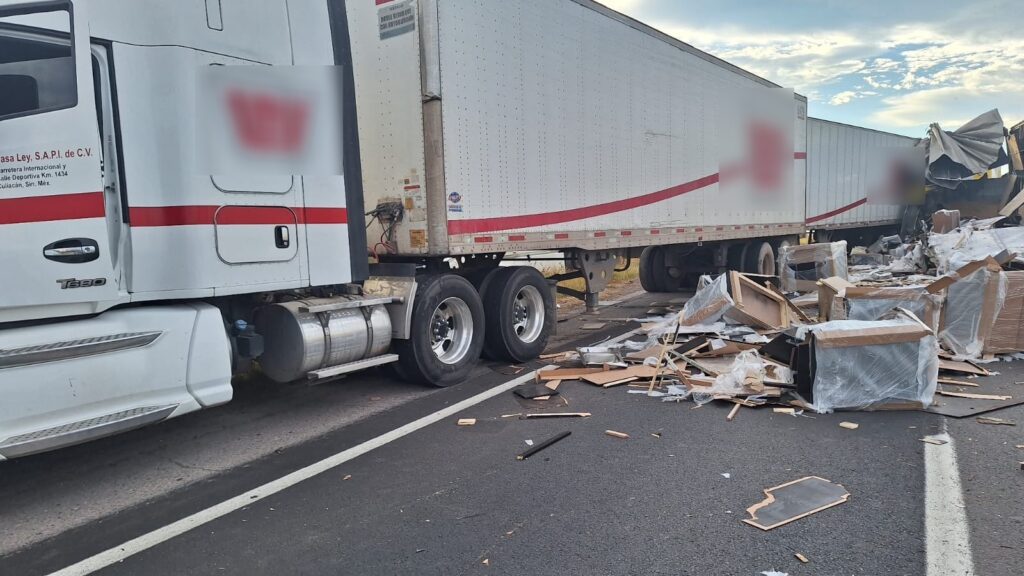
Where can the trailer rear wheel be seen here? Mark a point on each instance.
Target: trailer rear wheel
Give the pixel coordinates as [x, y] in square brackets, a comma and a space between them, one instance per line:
[520, 314]
[759, 258]
[446, 333]
[653, 272]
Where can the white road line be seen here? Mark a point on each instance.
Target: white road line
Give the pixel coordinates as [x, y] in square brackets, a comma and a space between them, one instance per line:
[947, 538]
[165, 533]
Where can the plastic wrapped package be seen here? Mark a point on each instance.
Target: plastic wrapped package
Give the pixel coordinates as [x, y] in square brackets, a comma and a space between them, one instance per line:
[861, 365]
[709, 304]
[973, 303]
[968, 244]
[1007, 333]
[800, 267]
[745, 375]
[870, 303]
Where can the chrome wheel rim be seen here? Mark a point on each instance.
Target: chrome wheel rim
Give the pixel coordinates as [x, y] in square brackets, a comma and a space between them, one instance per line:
[451, 330]
[528, 314]
[768, 264]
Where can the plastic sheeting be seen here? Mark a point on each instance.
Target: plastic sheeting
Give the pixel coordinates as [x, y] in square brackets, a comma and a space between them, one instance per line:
[800, 267]
[746, 373]
[970, 149]
[971, 243]
[967, 323]
[872, 304]
[861, 377]
[709, 304]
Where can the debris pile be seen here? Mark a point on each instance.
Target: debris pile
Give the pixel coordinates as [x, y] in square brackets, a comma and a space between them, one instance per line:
[851, 328]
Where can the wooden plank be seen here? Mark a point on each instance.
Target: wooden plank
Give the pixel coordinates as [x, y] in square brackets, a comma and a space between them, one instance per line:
[557, 415]
[953, 382]
[567, 373]
[615, 434]
[732, 413]
[975, 396]
[962, 367]
[620, 376]
[466, 422]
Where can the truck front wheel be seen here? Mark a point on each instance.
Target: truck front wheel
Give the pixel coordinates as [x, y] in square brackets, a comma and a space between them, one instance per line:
[520, 312]
[446, 333]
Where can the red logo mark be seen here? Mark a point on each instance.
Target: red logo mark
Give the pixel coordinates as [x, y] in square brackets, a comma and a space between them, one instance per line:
[269, 123]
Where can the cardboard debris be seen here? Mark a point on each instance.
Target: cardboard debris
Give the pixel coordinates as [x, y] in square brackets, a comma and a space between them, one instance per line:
[794, 500]
[945, 221]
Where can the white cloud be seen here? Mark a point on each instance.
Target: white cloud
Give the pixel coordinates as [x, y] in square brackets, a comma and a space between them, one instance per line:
[847, 96]
[944, 73]
[629, 7]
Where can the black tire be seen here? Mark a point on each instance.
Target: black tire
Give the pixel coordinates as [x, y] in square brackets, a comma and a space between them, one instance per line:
[735, 257]
[417, 361]
[759, 258]
[653, 272]
[513, 291]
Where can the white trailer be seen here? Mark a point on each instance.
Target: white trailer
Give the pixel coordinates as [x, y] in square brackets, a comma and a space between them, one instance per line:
[138, 280]
[840, 162]
[514, 126]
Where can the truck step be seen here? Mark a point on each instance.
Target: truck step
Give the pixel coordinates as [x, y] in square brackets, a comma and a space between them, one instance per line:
[340, 369]
[82, 431]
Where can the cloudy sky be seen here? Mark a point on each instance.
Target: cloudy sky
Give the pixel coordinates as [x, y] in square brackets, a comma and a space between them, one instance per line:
[895, 65]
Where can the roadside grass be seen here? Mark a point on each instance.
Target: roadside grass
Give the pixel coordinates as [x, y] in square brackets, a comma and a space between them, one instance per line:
[629, 274]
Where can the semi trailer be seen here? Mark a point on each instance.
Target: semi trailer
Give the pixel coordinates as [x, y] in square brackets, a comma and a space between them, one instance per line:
[141, 276]
[841, 162]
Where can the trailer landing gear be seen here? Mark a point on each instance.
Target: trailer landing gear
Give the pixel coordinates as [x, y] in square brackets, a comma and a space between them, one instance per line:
[596, 267]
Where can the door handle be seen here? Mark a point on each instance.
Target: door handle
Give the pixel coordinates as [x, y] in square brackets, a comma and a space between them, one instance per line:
[282, 237]
[72, 251]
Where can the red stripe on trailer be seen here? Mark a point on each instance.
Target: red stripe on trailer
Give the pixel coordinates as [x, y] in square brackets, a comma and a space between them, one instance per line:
[626, 233]
[562, 236]
[837, 211]
[680, 230]
[483, 239]
[655, 232]
[471, 226]
[517, 238]
[599, 234]
[159, 216]
[52, 208]
[800, 155]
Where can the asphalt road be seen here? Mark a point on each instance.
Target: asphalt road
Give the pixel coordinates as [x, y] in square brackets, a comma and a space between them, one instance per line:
[454, 500]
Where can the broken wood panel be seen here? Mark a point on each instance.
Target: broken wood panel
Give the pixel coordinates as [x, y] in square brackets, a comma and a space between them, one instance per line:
[567, 373]
[756, 305]
[794, 500]
[963, 367]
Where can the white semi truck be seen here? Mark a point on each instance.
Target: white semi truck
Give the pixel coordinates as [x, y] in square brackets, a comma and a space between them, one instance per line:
[138, 281]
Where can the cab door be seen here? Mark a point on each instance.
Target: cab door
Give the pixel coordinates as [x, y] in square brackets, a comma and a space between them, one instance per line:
[54, 240]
